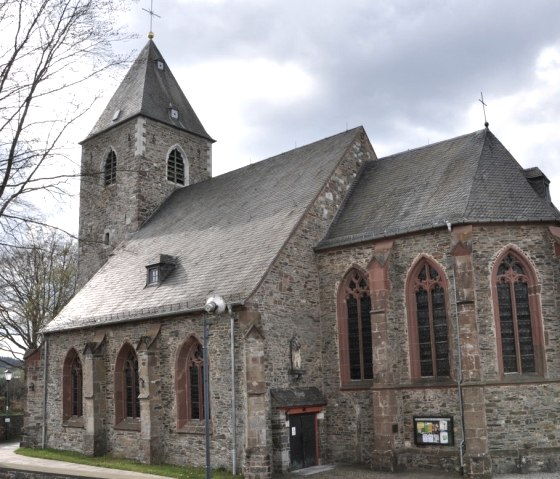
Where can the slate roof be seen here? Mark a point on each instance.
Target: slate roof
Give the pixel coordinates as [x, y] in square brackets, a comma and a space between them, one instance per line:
[468, 179]
[225, 233]
[149, 91]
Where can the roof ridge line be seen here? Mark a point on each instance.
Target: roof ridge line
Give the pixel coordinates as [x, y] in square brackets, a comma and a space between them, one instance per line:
[311, 202]
[468, 202]
[429, 145]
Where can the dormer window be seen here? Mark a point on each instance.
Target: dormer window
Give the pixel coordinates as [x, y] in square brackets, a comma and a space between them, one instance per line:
[157, 272]
[153, 275]
[174, 113]
[116, 115]
[160, 65]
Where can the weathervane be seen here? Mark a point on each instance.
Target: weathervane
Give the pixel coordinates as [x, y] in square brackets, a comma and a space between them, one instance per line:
[484, 105]
[152, 15]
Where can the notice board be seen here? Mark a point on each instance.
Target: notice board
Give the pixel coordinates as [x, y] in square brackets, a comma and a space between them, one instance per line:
[433, 430]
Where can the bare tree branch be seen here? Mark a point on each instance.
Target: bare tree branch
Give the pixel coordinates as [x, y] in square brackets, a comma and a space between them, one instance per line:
[36, 281]
[49, 52]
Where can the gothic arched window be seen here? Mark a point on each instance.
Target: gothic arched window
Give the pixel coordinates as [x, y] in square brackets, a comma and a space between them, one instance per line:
[189, 377]
[356, 348]
[176, 167]
[72, 385]
[110, 169]
[127, 385]
[518, 322]
[427, 321]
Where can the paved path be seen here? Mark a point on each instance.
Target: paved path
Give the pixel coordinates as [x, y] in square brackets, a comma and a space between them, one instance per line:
[357, 472]
[10, 460]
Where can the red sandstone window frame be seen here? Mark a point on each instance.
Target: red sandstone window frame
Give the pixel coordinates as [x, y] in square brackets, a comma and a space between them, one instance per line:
[189, 357]
[344, 291]
[413, 284]
[529, 277]
[72, 387]
[127, 388]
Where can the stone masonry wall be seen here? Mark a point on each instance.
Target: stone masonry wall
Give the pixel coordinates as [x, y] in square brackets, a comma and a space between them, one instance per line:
[185, 446]
[522, 412]
[142, 147]
[344, 423]
[288, 299]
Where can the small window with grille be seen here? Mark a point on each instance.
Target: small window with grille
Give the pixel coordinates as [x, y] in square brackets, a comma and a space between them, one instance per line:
[176, 167]
[110, 170]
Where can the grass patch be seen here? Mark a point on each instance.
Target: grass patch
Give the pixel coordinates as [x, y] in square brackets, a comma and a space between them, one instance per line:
[178, 472]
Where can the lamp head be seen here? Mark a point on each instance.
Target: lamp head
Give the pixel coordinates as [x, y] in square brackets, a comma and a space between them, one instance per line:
[215, 305]
[8, 375]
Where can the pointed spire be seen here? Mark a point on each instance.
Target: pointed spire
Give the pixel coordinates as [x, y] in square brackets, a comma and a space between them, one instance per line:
[149, 89]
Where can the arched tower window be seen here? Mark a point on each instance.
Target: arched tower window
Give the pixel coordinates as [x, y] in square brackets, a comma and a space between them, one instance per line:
[110, 169]
[72, 386]
[427, 321]
[354, 308]
[176, 167]
[517, 314]
[127, 385]
[189, 377]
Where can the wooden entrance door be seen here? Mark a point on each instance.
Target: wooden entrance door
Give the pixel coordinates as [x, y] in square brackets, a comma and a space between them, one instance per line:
[303, 441]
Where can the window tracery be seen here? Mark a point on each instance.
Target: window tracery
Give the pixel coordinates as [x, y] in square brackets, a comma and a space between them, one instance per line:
[355, 328]
[428, 327]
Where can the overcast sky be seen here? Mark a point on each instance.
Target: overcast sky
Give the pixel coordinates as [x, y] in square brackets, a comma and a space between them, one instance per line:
[267, 75]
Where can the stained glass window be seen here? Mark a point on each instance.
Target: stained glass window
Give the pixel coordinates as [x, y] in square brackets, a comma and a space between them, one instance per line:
[72, 384]
[516, 331]
[132, 389]
[196, 383]
[358, 308]
[76, 387]
[431, 322]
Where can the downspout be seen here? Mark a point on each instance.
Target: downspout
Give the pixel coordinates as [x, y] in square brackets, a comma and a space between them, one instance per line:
[459, 368]
[233, 413]
[44, 427]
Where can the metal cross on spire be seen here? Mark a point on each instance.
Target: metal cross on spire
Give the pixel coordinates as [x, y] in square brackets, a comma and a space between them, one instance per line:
[152, 15]
[484, 105]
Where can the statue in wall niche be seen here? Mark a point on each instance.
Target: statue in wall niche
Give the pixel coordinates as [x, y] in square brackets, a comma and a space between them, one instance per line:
[295, 351]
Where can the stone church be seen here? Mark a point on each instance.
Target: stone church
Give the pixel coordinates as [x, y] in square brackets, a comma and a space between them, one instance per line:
[399, 312]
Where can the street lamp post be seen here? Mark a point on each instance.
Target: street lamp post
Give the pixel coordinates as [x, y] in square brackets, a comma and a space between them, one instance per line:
[214, 305]
[8, 376]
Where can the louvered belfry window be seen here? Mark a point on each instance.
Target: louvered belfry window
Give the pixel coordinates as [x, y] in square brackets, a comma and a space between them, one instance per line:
[110, 171]
[512, 287]
[358, 308]
[431, 322]
[176, 167]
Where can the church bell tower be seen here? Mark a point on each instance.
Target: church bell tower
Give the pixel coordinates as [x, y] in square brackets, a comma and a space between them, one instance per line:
[147, 142]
